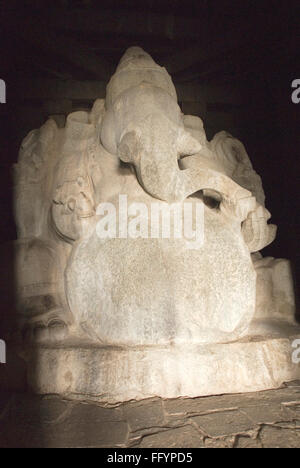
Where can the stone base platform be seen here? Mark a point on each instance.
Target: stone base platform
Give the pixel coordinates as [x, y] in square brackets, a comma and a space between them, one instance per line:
[115, 374]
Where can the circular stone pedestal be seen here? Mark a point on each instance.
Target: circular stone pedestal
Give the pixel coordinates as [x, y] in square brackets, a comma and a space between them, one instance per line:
[116, 374]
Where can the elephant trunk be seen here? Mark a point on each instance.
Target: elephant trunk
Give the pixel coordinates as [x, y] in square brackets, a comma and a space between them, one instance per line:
[154, 146]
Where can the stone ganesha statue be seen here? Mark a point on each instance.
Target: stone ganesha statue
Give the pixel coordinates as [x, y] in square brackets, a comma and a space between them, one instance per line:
[138, 147]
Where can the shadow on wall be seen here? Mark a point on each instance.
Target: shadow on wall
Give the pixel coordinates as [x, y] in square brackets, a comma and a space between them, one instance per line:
[13, 372]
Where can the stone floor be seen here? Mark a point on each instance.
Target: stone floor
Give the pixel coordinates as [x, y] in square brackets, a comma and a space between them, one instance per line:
[254, 420]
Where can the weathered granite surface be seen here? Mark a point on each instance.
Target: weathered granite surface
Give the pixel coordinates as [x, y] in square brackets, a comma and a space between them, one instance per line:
[115, 374]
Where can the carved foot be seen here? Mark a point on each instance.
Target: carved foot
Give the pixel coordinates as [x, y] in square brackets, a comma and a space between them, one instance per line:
[46, 328]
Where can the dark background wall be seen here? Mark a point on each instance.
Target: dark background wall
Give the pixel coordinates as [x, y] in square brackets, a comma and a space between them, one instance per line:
[232, 63]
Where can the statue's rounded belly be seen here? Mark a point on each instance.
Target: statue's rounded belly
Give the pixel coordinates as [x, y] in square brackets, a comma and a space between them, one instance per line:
[156, 291]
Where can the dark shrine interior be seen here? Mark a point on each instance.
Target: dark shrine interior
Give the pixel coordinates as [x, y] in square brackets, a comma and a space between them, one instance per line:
[240, 56]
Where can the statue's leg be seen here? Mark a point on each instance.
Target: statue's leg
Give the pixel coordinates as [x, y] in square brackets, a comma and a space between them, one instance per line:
[33, 289]
[40, 326]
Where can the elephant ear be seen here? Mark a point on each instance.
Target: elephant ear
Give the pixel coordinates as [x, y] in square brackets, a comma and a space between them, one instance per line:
[187, 144]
